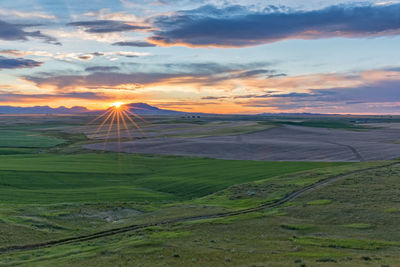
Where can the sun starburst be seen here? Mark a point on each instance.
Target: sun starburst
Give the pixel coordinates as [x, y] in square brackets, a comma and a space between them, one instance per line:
[115, 120]
[117, 104]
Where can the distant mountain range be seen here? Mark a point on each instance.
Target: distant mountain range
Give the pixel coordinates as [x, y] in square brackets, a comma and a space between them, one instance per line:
[146, 109]
[138, 108]
[41, 110]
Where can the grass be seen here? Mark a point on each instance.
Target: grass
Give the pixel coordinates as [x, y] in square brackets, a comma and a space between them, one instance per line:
[345, 243]
[250, 194]
[49, 178]
[392, 210]
[13, 151]
[47, 196]
[54, 196]
[332, 124]
[320, 202]
[359, 225]
[297, 226]
[26, 139]
[293, 235]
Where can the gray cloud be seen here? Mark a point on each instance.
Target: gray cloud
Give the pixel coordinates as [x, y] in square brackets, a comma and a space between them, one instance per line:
[378, 97]
[17, 63]
[10, 97]
[237, 26]
[114, 79]
[102, 69]
[16, 32]
[382, 91]
[236, 70]
[134, 44]
[214, 97]
[205, 74]
[107, 26]
[99, 79]
[268, 94]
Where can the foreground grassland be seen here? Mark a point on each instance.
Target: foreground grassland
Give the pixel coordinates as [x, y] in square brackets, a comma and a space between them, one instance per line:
[26, 139]
[55, 189]
[351, 222]
[50, 178]
[47, 196]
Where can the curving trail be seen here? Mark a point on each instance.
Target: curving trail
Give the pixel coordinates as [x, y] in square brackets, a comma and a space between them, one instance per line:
[355, 151]
[289, 197]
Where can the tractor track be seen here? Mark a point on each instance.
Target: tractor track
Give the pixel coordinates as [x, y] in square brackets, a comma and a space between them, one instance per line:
[289, 197]
[353, 150]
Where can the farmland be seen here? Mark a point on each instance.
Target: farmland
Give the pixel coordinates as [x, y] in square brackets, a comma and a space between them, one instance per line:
[188, 210]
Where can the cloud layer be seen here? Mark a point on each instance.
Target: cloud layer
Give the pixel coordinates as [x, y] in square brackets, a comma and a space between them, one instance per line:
[200, 74]
[134, 44]
[22, 97]
[237, 26]
[17, 63]
[107, 26]
[16, 32]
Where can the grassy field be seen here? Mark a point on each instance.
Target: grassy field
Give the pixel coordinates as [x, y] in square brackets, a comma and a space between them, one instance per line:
[352, 222]
[55, 189]
[26, 139]
[50, 178]
[47, 193]
[327, 123]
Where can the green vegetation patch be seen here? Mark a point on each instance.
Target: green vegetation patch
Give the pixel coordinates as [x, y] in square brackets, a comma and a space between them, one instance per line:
[320, 202]
[359, 225]
[271, 189]
[332, 124]
[392, 210]
[169, 234]
[317, 254]
[50, 178]
[27, 139]
[15, 151]
[363, 244]
[297, 226]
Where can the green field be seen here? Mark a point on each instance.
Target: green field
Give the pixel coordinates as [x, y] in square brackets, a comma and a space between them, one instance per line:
[49, 178]
[26, 139]
[326, 226]
[328, 123]
[54, 189]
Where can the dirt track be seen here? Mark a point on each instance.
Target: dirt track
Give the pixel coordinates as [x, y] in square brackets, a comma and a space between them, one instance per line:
[289, 197]
[287, 143]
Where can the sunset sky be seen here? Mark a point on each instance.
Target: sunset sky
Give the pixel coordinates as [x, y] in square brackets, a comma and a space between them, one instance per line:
[228, 56]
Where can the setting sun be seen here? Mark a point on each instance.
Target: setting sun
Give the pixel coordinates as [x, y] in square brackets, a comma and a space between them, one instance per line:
[117, 104]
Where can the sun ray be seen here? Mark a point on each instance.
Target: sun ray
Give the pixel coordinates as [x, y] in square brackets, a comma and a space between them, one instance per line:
[133, 122]
[118, 129]
[104, 122]
[117, 118]
[98, 117]
[137, 116]
[109, 129]
[125, 125]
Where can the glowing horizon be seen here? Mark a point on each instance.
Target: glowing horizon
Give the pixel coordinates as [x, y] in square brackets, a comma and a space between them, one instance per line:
[117, 104]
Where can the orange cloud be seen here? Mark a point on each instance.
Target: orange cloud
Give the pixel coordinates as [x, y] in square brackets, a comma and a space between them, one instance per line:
[226, 92]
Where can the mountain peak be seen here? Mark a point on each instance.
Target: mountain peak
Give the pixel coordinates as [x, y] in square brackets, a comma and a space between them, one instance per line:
[146, 109]
[141, 105]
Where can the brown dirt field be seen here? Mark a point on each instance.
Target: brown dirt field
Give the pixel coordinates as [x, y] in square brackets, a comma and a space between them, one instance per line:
[286, 143]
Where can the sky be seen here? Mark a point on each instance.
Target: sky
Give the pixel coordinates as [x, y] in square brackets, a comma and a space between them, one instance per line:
[217, 56]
